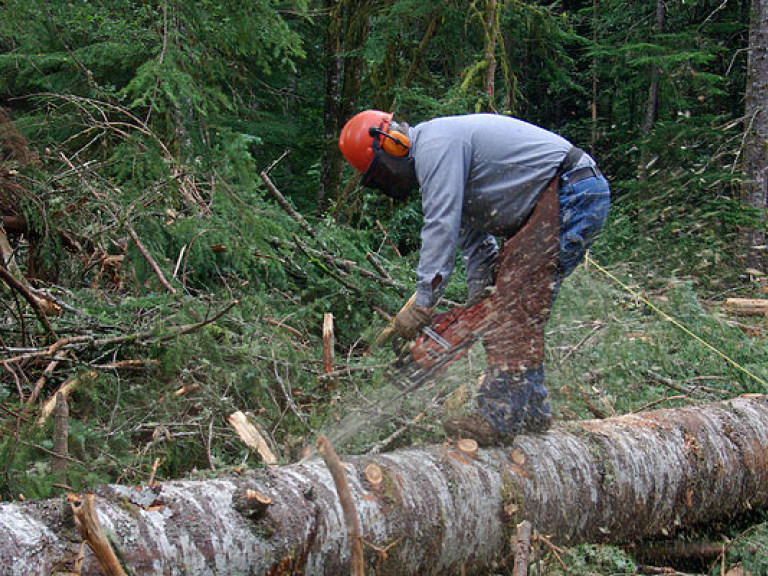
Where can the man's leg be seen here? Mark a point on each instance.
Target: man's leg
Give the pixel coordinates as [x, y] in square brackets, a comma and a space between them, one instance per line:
[479, 252]
[512, 395]
[514, 338]
[532, 264]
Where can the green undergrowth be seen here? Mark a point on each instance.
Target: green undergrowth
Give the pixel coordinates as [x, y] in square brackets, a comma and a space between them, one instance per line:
[639, 326]
[616, 348]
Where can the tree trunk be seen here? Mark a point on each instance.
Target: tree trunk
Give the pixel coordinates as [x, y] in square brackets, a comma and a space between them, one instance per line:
[755, 187]
[491, 32]
[437, 510]
[347, 32]
[330, 172]
[652, 104]
[594, 70]
[418, 57]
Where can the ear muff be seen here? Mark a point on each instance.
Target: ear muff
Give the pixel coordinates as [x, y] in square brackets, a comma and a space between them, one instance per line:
[396, 144]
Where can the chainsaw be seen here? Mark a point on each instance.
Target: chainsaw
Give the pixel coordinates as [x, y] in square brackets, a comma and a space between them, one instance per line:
[450, 336]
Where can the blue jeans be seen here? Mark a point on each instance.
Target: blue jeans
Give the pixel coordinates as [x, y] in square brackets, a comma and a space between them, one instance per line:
[583, 211]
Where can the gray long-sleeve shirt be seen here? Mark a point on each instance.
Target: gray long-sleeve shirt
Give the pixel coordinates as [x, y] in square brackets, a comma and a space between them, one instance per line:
[480, 176]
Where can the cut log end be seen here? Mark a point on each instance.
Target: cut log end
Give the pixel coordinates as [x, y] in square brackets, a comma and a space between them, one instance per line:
[468, 447]
[518, 457]
[374, 476]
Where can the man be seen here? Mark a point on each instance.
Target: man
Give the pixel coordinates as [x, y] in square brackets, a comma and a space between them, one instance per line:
[484, 176]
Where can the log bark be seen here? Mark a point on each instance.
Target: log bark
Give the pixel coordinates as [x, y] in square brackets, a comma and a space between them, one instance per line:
[436, 511]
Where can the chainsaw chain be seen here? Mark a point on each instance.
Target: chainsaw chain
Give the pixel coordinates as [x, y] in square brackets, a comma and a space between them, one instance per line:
[408, 376]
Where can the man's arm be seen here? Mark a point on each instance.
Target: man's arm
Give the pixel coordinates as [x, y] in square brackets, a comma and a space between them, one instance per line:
[443, 168]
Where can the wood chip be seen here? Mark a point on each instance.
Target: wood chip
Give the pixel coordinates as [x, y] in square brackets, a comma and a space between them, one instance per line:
[251, 437]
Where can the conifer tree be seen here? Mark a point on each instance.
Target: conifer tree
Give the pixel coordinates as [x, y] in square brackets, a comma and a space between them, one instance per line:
[755, 186]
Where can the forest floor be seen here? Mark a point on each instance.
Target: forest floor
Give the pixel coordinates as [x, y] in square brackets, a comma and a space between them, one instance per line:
[155, 377]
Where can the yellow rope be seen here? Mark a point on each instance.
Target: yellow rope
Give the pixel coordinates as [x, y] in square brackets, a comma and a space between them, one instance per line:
[670, 319]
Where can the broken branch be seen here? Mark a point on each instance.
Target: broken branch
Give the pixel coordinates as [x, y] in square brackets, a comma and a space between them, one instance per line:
[285, 205]
[114, 211]
[139, 337]
[328, 343]
[251, 437]
[88, 525]
[336, 469]
[346, 265]
[41, 381]
[15, 284]
[64, 391]
[522, 548]
[60, 438]
[377, 266]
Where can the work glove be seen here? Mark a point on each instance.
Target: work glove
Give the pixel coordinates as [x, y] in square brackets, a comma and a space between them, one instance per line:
[410, 321]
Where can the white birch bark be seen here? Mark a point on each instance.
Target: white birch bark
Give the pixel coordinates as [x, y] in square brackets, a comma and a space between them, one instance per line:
[613, 480]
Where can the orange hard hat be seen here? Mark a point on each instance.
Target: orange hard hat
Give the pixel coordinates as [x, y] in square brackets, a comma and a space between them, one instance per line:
[364, 131]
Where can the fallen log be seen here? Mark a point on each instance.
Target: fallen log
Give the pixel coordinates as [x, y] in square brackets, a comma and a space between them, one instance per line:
[746, 306]
[435, 511]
